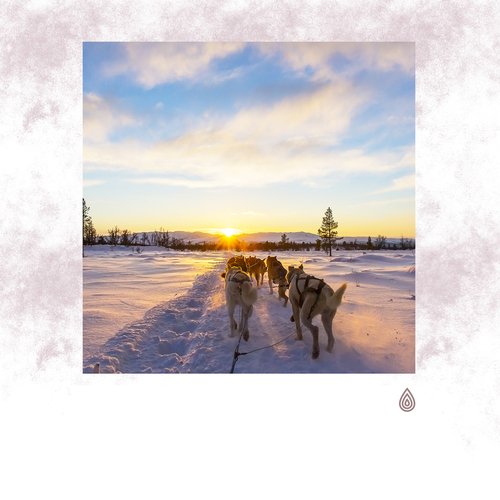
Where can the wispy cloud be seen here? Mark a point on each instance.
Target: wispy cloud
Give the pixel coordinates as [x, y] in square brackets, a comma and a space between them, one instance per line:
[293, 140]
[314, 59]
[399, 184]
[231, 164]
[100, 118]
[92, 182]
[152, 64]
[311, 119]
[299, 138]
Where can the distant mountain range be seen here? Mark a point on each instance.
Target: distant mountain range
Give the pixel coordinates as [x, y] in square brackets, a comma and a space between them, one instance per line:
[297, 237]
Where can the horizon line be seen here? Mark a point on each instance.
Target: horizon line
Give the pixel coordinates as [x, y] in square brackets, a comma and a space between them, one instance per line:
[243, 233]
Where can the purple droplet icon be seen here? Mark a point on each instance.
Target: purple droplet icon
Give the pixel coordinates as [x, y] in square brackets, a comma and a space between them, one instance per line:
[407, 401]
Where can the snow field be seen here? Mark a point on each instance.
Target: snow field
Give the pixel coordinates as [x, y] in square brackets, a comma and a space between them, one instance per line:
[165, 312]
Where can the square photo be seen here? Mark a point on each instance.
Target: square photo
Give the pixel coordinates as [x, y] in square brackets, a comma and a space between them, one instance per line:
[248, 207]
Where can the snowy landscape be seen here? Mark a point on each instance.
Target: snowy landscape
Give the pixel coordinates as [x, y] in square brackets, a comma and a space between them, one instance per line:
[197, 152]
[164, 311]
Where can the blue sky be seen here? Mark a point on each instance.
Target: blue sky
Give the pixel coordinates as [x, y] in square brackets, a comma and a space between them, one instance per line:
[256, 136]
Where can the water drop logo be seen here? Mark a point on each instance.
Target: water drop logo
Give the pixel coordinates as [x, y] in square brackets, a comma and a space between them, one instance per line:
[407, 401]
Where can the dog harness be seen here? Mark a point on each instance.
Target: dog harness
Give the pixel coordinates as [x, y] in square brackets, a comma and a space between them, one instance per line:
[240, 277]
[255, 264]
[307, 288]
[237, 261]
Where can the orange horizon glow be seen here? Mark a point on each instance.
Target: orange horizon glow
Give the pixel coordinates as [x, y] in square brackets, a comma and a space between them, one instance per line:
[357, 231]
[394, 228]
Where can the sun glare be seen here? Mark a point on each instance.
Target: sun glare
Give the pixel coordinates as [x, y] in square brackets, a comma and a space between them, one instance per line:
[229, 231]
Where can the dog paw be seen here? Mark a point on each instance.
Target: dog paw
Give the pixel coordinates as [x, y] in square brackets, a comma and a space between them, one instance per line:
[245, 336]
[315, 354]
[292, 319]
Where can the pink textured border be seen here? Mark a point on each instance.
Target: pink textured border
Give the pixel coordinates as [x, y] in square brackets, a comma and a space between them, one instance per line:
[457, 61]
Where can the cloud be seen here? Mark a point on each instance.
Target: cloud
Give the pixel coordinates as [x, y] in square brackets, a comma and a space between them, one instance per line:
[152, 64]
[399, 184]
[195, 164]
[296, 139]
[314, 59]
[100, 118]
[409, 201]
[261, 144]
[92, 182]
[314, 118]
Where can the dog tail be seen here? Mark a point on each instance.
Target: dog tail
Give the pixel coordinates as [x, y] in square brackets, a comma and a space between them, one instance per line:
[335, 300]
[248, 293]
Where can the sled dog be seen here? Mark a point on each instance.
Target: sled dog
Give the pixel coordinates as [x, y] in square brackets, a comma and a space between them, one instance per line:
[309, 297]
[256, 268]
[237, 260]
[277, 275]
[239, 291]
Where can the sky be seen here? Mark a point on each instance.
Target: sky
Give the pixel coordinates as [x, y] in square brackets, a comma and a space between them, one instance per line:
[251, 136]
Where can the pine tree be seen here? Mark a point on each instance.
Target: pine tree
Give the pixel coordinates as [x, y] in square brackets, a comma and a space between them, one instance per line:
[284, 241]
[327, 231]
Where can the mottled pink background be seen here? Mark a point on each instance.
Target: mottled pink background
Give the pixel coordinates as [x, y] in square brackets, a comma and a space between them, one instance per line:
[314, 436]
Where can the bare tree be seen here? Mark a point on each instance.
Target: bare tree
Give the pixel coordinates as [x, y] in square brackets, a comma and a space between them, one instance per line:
[380, 242]
[114, 235]
[163, 239]
[125, 239]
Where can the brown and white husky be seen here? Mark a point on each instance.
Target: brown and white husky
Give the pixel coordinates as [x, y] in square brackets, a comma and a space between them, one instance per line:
[239, 291]
[310, 297]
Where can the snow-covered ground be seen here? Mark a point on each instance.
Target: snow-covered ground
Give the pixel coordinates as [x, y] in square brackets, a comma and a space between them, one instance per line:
[164, 311]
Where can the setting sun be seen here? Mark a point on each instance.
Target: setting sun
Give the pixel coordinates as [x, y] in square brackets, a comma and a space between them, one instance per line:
[229, 231]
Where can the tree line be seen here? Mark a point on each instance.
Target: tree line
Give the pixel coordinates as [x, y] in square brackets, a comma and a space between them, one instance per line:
[327, 241]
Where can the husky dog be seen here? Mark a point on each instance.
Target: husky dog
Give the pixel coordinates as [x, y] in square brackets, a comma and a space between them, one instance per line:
[239, 291]
[256, 267]
[277, 274]
[237, 260]
[309, 297]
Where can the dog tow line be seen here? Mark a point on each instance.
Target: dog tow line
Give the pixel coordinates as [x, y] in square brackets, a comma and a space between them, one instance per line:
[237, 354]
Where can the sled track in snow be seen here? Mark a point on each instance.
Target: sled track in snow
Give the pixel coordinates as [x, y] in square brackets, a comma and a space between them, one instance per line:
[189, 334]
[171, 337]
